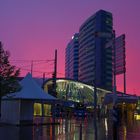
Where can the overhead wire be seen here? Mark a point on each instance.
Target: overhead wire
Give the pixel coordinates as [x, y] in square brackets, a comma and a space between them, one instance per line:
[36, 63]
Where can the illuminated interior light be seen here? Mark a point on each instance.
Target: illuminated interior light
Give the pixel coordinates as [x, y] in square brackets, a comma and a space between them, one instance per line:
[61, 80]
[137, 117]
[37, 109]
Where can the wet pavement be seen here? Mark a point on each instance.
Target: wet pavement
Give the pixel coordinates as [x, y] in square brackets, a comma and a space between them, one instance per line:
[72, 129]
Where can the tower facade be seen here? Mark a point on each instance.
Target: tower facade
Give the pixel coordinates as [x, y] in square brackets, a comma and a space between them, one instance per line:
[71, 58]
[95, 60]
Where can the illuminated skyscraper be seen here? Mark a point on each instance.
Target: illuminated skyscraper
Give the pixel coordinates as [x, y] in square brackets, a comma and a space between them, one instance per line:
[95, 60]
[88, 59]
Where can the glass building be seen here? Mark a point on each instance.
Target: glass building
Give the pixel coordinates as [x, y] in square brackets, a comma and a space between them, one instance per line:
[71, 58]
[70, 90]
[95, 60]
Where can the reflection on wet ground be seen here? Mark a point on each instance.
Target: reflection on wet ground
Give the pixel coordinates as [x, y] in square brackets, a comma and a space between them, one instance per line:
[72, 129]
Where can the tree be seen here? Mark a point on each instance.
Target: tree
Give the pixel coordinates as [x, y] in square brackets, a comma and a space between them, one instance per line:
[8, 74]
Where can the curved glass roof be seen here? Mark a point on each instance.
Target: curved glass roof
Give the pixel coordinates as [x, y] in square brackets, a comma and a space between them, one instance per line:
[71, 90]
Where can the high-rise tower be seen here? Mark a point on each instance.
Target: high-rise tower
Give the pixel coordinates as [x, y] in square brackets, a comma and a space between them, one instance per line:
[95, 60]
[71, 58]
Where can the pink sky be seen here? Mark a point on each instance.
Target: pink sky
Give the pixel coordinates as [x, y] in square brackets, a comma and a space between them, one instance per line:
[33, 29]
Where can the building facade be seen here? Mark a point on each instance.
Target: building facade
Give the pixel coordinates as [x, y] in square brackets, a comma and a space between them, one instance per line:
[95, 60]
[71, 58]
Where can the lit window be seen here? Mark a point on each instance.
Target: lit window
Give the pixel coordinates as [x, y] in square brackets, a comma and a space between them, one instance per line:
[37, 109]
[47, 110]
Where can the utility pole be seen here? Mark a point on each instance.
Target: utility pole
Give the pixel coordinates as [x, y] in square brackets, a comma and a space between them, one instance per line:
[44, 77]
[32, 68]
[125, 81]
[114, 72]
[55, 64]
[95, 92]
[95, 79]
[54, 75]
[124, 63]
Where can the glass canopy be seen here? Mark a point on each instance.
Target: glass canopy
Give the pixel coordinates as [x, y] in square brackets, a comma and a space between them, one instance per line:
[76, 91]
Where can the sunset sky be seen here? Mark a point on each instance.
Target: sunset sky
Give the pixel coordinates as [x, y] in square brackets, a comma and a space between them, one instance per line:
[33, 29]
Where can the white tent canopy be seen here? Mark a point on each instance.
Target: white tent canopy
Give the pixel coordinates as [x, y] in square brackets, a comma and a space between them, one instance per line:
[30, 90]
